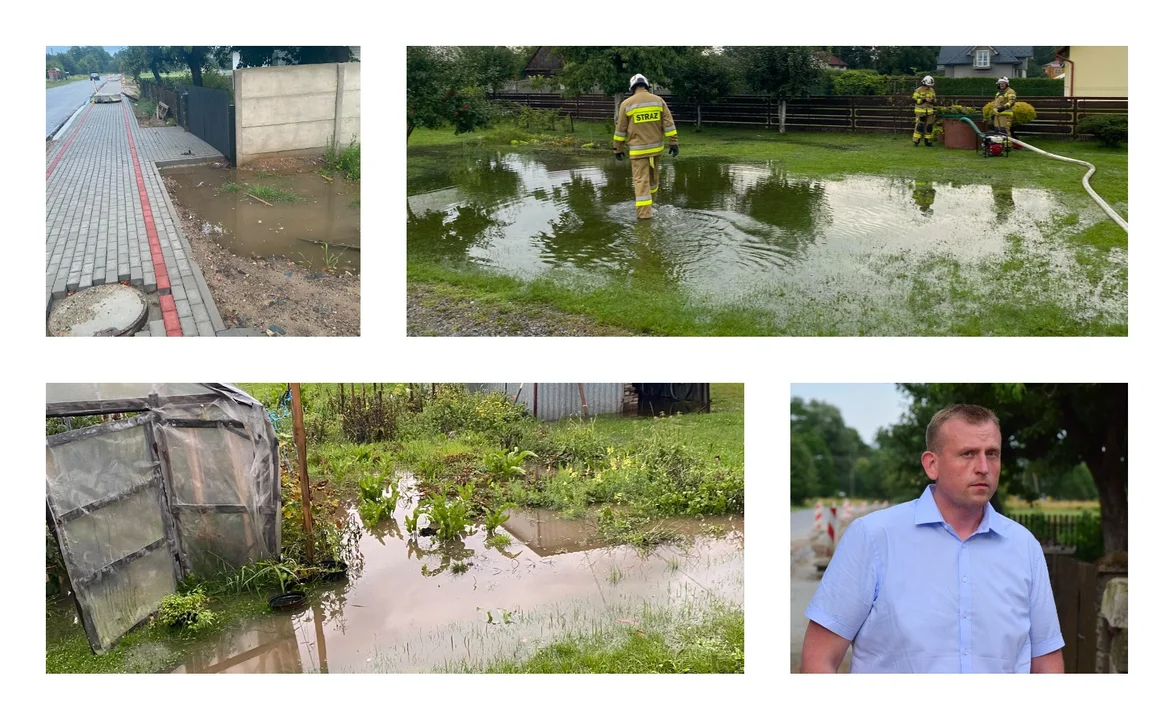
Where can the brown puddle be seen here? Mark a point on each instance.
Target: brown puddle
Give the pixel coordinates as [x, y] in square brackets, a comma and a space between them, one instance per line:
[407, 611]
[327, 212]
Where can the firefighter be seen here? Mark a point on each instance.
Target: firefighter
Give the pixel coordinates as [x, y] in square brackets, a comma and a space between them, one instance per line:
[1002, 107]
[925, 99]
[645, 123]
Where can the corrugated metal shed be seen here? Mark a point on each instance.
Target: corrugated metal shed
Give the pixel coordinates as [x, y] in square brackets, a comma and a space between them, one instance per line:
[553, 401]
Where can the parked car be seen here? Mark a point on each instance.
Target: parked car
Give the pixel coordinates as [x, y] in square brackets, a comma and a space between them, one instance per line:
[94, 76]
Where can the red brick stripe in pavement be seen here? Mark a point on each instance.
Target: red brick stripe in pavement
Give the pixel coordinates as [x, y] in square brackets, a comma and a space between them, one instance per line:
[73, 135]
[167, 302]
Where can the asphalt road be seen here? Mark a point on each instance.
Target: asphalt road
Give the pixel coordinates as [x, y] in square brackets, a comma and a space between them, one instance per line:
[63, 101]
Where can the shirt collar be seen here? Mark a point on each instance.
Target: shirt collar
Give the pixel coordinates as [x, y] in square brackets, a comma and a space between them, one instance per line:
[927, 513]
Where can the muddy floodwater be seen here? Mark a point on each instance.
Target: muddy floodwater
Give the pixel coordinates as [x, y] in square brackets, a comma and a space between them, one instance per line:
[325, 212]
[854, 251]
[404, 609]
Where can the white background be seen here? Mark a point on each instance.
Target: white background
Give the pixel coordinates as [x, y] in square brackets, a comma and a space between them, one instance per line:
[768, 366]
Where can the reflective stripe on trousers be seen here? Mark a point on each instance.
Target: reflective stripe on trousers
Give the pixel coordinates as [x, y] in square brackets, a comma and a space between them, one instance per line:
[645, 181]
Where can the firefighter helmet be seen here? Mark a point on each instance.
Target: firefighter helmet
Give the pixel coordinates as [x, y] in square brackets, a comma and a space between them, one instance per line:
[928, 81]
[1002, 80]
[638, 79]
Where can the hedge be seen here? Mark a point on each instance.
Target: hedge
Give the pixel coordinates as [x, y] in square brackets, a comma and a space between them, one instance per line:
[864, 82]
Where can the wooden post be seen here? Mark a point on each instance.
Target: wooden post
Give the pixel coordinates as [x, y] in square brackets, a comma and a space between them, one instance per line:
[583, 402]
[302, 459]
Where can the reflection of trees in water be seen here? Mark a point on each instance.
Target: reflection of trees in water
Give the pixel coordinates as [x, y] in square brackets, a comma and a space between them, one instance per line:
[582, 235]
[795, 205]
[924, 194]
[487, 180]
[702, 183]
[451, 233]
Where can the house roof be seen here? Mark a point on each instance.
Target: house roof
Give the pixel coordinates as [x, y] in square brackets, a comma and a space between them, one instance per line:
[962, 54]
[829, 58]
[543, 62]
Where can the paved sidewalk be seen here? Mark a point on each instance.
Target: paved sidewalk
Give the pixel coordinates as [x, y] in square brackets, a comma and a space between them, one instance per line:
[109, 218]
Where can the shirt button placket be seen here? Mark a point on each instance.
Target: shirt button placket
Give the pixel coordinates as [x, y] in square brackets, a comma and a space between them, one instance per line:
[965, 619]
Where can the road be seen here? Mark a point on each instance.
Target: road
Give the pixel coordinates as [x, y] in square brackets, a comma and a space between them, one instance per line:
[63, 101]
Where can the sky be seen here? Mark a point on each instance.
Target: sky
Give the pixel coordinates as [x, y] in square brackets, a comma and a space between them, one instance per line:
[867, 407]
[57, 49]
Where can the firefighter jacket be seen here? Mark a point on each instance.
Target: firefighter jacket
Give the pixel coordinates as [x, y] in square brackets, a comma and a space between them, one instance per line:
[925, 99]
[1005, 100]
[645, 123]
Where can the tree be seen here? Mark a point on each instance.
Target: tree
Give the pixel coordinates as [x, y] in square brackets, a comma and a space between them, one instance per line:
[262, 55]
[1041, 56]
[778, 72]
[857, 57]
[489, 67]
[700, 78]
[439, 91]
[833, 446]
[906, 59]
[804, 477]
[1052, 426]
[608, 69]
[194, 57]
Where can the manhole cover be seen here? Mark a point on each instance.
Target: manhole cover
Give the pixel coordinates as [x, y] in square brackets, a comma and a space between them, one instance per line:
[101, 310]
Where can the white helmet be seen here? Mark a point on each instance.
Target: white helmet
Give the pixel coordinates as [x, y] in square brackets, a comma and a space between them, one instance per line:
[1002, 80]
[928, 81]
[638, 79]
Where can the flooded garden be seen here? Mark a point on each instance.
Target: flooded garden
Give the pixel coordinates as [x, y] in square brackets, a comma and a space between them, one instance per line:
[452, 531]
[762, 247]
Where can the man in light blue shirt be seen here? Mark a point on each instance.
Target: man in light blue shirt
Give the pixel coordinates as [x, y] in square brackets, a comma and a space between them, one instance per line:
[941, 584]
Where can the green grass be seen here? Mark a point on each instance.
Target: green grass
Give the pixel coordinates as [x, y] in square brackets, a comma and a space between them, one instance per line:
[145, 107]
[345, 160]
[656, 643]
[273, 194]
[231, 187]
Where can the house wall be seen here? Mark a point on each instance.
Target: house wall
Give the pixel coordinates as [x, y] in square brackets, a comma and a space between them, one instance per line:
[295, 109]
[997, 70]
[1098, 71]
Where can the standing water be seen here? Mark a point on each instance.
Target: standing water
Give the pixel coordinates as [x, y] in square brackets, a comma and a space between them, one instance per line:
[310, 220]
[852, 251]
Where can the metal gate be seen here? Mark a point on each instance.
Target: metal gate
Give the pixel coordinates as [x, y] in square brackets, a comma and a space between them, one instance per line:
[113, 524]
[211, 117]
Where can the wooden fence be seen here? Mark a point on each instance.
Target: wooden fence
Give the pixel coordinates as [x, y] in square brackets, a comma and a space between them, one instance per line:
[1074, 588]
[1055, 116]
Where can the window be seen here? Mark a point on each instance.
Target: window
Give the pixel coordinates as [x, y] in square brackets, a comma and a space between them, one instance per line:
[983, 59]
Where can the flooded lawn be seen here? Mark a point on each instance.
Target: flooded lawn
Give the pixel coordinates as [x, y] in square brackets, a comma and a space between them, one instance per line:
[862, 254]
[410, 605]
[311, 221]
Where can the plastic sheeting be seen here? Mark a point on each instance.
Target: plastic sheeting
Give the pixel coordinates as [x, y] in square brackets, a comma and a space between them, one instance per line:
[190, 485]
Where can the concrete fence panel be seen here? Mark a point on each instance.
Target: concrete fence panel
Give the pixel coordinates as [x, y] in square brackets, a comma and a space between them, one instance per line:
[295, 109]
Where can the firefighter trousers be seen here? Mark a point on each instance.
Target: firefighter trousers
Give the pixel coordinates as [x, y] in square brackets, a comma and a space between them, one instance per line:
[923, 128]
[645, 182]
[1003, 121]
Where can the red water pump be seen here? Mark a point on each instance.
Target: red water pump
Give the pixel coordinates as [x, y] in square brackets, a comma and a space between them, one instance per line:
[993, 146]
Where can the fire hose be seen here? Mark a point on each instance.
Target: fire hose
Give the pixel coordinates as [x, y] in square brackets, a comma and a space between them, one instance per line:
[1091, 169]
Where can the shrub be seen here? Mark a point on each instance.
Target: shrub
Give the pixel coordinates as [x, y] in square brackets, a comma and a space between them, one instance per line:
[371, 417]
[859, 82]
[1110, 130]
[1022, 113]
[187, 611]
[345, 160]
[469, 109]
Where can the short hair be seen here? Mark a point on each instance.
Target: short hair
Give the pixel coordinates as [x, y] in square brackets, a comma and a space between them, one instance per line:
[971, 414]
